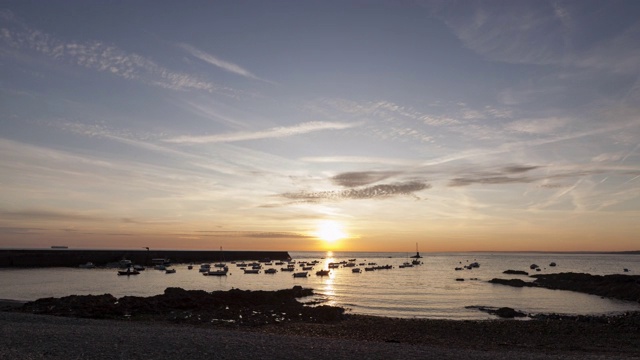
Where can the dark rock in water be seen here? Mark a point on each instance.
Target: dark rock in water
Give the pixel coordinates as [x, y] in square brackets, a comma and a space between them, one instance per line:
[622, 287]
[511, 282]
[509, 313]
[515, 272]
[235, 306]
[503, 312]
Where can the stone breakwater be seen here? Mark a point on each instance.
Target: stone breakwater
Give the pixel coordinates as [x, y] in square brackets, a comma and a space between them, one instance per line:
[75, 257]
[621, 287]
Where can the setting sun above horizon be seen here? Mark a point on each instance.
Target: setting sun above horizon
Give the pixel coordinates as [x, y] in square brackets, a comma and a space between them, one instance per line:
[330, 231]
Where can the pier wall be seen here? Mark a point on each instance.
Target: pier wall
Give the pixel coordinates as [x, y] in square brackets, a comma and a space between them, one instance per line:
[74, 257]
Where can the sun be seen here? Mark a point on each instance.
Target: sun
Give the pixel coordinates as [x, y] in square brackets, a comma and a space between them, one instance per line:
[330, 231]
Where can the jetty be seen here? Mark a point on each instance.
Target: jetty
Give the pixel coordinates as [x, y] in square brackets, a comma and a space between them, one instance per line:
[60, 257]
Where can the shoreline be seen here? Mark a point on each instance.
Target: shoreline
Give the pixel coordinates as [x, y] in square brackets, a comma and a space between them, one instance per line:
[280, 316]
[57, 337]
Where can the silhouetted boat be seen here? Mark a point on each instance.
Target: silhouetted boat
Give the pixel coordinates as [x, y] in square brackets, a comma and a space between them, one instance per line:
[128, 271]
[322, 272]
[220, 272]
[300, 274]
[417, 255]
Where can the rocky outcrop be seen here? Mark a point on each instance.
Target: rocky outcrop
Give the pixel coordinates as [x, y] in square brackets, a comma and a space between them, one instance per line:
[234, 307]
[515, 272]
[621, 287]
[503, 312]
[511, 282]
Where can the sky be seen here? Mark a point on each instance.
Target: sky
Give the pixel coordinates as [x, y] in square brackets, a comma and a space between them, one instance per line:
[320, 125]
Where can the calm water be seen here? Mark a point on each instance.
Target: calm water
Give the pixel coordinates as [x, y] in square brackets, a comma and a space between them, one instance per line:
[426, 291]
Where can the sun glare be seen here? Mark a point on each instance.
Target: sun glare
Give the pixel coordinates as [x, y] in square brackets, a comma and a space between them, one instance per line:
[330, 231]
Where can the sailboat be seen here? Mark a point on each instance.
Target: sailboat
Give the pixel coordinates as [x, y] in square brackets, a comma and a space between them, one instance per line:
[221, 264]
[415, 257]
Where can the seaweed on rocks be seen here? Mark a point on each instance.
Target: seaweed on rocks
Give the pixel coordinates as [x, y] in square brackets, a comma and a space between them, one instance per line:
[233, 307]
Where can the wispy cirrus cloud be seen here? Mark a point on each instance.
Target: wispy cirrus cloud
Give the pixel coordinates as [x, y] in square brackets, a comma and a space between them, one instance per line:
[277, 132]
[222, 64]
[361, 160]
[17, 36]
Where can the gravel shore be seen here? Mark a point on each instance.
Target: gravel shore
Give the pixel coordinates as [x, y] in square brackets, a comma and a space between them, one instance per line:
[27, 336]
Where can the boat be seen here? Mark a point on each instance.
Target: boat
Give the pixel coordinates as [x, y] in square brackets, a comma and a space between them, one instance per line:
[190, 267]
[307, 268]
[204, 268]
[138, 267]
[287, 269]
[405, 265]
[417, 255]
[356, 270]
[170, 271]
[220, 272]
[161, 261]
[323, 272]
[128, 272]
[270, 271]
[160, 267]
[300, 274]
[251, 271]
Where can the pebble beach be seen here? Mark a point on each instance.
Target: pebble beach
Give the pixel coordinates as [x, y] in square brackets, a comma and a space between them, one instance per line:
[31, 336]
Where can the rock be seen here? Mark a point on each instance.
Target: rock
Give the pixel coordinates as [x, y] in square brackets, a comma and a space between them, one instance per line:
[509, 313]
[503, 312]
[622, 287]
[515, 272]
[511, 282]
[249, 308]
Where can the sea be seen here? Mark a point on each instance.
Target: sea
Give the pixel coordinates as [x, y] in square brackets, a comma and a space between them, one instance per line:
[432, 290]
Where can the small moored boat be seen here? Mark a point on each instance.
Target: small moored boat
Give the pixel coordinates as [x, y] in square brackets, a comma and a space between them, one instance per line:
[322, 272]
[128, 272]
[302, 274]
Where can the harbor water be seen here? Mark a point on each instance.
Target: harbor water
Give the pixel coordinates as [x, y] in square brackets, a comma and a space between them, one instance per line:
[432, 290]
